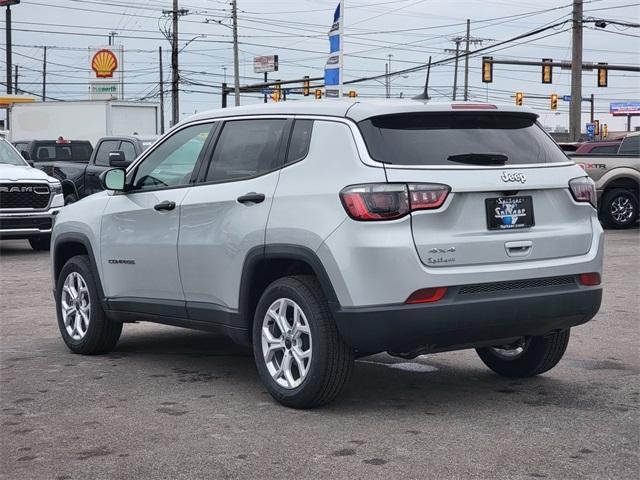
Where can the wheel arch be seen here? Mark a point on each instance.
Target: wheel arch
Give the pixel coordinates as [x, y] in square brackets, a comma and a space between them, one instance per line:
[68, 245]
[69, 187]
[263, 265]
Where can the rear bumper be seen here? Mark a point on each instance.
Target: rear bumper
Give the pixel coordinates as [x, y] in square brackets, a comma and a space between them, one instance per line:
[27, 224]
[462, 320]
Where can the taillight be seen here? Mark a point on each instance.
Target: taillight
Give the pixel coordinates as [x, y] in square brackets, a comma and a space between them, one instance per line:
[389, 201]
[584, 190]
[590, 279]
[427, 295]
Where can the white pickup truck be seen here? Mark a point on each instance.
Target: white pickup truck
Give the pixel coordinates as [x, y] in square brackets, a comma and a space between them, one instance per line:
[29, 199]
[617, 178]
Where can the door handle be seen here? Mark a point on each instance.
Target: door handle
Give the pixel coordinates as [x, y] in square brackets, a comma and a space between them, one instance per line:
[518, 249]
[166, 205]
[252, 197]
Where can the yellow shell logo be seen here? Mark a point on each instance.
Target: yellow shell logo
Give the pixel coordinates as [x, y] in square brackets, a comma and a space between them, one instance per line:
[104, 63]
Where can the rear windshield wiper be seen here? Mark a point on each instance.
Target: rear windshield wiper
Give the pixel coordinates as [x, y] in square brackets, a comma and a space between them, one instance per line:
[479, 158]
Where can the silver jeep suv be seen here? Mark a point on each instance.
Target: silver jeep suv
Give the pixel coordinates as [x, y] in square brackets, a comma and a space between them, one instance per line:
[320, 232]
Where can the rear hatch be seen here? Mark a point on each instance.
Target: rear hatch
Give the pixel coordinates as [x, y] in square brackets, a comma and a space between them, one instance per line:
[509, 197]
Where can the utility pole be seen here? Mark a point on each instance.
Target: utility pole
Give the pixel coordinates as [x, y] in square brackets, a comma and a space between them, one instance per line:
[161, 91]
[175, 106]
[8, 39]
[15, 85]
[44, 73]
[466, 62]
[386, 83]
[576, 74]
[236, 63]
[456, 51]
[592, 101]
[175, 76]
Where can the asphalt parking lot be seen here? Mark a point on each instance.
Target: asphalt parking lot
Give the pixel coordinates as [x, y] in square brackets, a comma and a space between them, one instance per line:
[174, 403]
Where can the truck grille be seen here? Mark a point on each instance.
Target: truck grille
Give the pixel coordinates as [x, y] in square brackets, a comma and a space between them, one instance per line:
[24, 196]
[517, 285]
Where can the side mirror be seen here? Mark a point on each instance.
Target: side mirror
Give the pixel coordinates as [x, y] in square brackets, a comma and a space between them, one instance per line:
[25, 155]
[116, 159]
[114, 179]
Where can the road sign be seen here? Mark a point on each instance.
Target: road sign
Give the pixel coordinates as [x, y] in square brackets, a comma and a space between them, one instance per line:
[591, 130]
[624, 108]
[266, 63]
[566, 98]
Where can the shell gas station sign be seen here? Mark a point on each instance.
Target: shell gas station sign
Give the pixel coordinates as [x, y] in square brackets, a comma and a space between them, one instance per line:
[105, 77]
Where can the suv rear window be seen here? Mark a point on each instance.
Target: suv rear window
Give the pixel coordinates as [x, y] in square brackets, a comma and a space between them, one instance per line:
[433, 138]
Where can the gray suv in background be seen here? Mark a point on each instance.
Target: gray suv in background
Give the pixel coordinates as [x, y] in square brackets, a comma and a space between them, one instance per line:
[321, 232]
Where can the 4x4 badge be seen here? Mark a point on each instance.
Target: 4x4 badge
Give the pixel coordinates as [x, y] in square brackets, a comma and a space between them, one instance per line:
[513, 177]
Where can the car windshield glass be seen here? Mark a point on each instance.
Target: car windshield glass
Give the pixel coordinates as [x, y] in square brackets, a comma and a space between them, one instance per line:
[443, 138]
[9, 156]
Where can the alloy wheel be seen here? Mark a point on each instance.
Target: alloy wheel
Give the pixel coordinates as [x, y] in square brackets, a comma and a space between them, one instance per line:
[286, 343]
[75, 304]
[512, 351]
[621, 209]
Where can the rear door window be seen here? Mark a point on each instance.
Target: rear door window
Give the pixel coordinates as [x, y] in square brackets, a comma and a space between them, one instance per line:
[247, 148]
[300, 140]
[630, 146]
[102, 155]
[129, 151]
[448, 139]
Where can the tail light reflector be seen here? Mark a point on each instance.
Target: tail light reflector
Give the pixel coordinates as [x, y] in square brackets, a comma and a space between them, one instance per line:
[590, 279]
[584, 190]
[427, 295]
[389, 201]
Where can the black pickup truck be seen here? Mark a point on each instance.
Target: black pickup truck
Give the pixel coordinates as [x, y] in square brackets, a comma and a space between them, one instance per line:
[77, 165]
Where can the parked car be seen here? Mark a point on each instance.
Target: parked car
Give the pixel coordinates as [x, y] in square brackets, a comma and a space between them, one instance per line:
[617, 177]
[605, 148]
[320, 232]
[29, 199]
[78, 166]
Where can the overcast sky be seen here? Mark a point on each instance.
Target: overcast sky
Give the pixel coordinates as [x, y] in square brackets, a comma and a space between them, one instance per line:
[409, 30]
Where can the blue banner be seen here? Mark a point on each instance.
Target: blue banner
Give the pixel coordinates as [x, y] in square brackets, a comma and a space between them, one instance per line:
[333, 67]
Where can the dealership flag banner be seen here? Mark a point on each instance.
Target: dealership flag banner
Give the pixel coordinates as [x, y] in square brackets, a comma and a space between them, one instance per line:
[333, 68]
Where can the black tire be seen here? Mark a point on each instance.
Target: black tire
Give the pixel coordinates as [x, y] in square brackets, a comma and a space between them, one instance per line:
[331, 361]
[102, 334]
[609, 199]
[70, 198]
[40, 243]
[540, 355]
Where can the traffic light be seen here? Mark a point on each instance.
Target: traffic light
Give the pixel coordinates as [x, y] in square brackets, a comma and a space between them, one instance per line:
[306, 86]
[487, 69]
[554, 101]
[353, 94]
[318, 93]
[597, 131]
[519, 98]
[603, 74]
[605, 130]
[547, 70]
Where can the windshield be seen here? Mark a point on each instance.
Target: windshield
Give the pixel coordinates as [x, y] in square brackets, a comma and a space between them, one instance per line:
[445, 138]
[8, 156]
